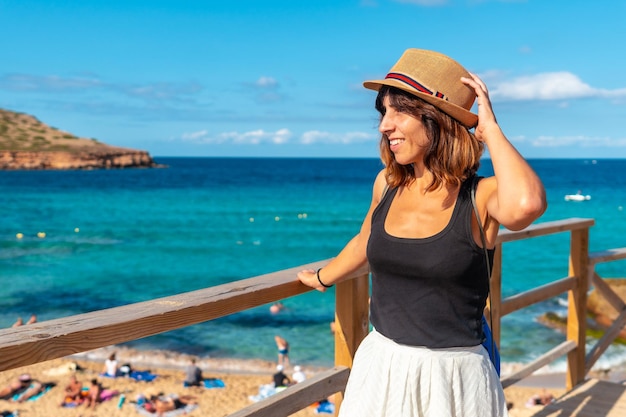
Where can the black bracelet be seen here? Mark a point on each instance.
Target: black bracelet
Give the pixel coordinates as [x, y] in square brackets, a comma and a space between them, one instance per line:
[320, 281]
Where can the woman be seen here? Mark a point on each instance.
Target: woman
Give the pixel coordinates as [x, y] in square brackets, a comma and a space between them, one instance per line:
[423, 244]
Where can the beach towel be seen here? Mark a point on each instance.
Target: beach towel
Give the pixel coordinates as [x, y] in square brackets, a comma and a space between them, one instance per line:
[8, 413]
[179, 411]
[265, 391]
[142, 376]
[46, 387]
[325, 407]
[209, 383]
[136, 375]
[213, 383]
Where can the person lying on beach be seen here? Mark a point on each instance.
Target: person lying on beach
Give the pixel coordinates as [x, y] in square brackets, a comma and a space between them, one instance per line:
[72, 391]
[23, 385]
[160, 404]
[93, 397]
[543, 398]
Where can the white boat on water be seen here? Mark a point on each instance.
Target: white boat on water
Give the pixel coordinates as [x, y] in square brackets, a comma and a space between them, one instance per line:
[577, 197]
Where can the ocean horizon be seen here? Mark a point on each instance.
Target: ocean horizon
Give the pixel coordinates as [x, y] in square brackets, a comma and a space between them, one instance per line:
[98, 239]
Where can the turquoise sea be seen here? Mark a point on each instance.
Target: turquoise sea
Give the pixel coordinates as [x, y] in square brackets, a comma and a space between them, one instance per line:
[114, 237]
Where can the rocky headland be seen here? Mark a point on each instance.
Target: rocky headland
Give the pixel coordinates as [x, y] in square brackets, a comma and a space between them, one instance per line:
[600, 313]
[28, 144]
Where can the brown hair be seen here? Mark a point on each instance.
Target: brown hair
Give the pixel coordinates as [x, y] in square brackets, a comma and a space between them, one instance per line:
[454, 152]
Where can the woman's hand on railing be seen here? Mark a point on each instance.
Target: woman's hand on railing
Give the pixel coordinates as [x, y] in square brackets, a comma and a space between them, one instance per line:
[309, 278]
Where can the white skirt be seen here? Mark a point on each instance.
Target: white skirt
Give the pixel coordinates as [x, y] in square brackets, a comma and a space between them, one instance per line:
[389, 379]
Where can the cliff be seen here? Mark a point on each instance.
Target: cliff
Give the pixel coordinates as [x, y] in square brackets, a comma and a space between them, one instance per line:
[600, 312]
[28, 144]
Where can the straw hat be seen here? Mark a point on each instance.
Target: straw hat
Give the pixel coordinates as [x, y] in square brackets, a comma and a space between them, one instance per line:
[436, 79]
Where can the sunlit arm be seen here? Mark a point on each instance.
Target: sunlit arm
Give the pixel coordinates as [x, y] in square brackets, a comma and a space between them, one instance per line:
[519, 197]
[516, 196]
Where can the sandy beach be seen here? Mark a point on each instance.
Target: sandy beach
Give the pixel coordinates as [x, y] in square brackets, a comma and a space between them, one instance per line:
[242, 379]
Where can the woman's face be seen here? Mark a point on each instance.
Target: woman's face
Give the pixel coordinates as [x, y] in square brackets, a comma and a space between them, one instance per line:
[406, 135]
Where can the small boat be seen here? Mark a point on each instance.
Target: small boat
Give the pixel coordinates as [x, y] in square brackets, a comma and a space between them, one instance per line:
[577, 197]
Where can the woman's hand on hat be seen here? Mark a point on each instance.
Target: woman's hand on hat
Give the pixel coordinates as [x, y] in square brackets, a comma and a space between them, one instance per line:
[486, 116]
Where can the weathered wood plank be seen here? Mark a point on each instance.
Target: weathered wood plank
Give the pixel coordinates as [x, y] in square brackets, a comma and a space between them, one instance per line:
[577, 307]
[607, 292]
[602, 345]
[351, 320]
[57, 338]
[545, 228]
[539, 363]
[592, 398]
[530, 297]
[299, 396]
[607, 255]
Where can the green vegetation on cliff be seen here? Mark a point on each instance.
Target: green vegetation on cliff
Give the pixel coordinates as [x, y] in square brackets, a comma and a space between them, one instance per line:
[23, 132]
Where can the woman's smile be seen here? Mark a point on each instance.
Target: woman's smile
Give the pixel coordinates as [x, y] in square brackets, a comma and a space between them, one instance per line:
[394, 144]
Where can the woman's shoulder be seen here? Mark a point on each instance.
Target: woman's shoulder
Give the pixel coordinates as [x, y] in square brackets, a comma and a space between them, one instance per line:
[380, 184]
[486, 185]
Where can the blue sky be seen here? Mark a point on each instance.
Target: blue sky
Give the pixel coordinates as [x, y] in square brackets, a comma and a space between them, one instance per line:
[284, 78]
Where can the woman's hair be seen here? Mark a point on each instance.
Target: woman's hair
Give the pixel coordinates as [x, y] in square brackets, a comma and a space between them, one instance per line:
[454, 152]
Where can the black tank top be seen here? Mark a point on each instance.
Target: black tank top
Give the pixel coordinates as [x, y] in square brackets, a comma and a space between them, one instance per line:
[432, 291]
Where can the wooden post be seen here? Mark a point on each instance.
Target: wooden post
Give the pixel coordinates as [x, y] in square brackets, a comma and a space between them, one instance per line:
[577, 307]
[351, 321]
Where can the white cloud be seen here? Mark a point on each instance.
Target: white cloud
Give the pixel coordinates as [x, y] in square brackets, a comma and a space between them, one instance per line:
[28, 82]
[266, 82]
[254, 137]
[316, 136]
[193, 136]
[550, 86]
[278, 137]
[160, 91]
[579, 141]
[75, 84]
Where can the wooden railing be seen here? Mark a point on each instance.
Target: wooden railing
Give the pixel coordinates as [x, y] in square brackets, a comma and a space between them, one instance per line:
[580, 278]
[58, 338]
[575, 284]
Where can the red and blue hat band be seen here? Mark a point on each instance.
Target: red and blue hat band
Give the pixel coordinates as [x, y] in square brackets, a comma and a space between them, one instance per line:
[411, 82]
